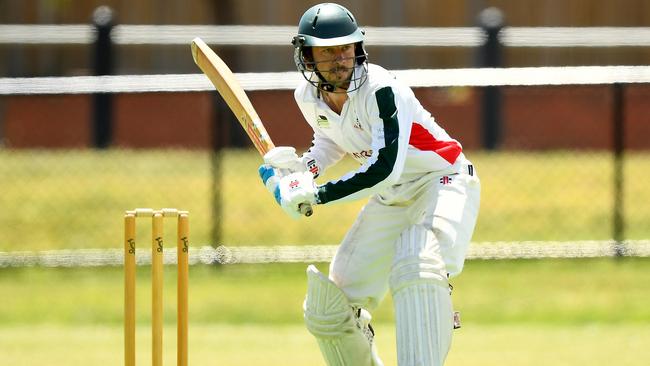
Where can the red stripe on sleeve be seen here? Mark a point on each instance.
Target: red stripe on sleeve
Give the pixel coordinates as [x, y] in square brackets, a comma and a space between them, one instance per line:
[423, 140]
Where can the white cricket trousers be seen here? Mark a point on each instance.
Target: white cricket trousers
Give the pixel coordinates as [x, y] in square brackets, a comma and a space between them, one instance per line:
[447, 205]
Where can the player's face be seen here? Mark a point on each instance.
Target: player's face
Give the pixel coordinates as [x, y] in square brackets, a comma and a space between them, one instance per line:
[335, 63]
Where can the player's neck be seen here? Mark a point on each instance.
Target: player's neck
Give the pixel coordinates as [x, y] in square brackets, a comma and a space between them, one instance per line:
[335, 100]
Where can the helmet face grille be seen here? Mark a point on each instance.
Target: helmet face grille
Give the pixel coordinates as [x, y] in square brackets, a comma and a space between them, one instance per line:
[309, 70]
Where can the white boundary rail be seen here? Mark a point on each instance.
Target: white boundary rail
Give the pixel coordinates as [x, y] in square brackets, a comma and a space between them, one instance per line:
[577, 75]
[316, 253]
[375, 36]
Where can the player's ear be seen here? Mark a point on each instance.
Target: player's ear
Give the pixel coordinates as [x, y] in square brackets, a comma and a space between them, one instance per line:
[360, 53]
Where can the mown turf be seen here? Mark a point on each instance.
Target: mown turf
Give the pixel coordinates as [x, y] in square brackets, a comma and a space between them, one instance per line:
[515, 312]
[558, 292]
[519, 312]
[292, 345]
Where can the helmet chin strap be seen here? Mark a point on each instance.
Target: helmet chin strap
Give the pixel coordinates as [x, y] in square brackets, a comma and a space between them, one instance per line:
[325, 85]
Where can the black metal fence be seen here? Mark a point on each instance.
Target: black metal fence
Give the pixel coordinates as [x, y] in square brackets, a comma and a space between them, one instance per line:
[75, 198]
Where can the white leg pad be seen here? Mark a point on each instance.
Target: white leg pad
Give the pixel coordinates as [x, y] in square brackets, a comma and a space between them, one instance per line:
[342, 331]
[422, 300]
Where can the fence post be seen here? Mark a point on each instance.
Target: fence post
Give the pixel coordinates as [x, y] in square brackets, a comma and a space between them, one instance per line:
[490, 55]
[224, 128]
[103, 21]
[220, 140]
[618, 137]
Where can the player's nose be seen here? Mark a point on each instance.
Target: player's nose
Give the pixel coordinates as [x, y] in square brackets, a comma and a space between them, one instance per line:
[339, 53]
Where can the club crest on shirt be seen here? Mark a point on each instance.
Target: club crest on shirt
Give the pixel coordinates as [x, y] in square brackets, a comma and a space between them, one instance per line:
[445, 180]
[322, 121]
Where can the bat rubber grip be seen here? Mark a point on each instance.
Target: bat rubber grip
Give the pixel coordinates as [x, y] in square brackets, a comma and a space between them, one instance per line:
[305, 209]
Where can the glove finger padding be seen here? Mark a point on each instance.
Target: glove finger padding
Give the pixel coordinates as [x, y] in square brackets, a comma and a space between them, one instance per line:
[284, 157]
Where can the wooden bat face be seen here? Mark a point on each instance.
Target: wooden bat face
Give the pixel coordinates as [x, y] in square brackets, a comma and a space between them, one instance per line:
[228, 87]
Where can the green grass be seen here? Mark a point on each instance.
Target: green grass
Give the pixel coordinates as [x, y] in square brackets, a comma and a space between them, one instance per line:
[291, 345]
[76, 198]
[522, 312]
[559, 292]
[519, 312]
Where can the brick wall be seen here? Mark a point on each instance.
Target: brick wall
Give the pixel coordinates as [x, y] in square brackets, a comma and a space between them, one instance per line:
[534, 118]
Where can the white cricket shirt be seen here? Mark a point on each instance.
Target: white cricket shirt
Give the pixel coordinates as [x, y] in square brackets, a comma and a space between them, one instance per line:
[383, 127]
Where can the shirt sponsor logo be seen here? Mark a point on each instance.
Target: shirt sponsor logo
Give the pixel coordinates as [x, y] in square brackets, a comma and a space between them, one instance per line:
[365, 154]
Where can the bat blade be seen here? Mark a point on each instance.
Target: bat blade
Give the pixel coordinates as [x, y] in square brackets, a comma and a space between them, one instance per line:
[231, 91]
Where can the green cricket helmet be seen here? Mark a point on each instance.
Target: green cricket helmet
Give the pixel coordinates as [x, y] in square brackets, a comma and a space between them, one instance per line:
[325, 25]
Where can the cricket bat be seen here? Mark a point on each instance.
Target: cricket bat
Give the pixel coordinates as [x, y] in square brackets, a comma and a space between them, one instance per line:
[231, 91]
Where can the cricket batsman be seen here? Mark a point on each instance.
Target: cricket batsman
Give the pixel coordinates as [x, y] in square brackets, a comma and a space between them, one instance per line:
[412, 235]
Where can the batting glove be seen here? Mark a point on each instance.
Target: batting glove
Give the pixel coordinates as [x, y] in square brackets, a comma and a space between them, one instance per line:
[285, 158]
[297, 189]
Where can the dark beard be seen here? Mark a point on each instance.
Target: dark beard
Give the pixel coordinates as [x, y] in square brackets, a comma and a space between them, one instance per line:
[343, 84]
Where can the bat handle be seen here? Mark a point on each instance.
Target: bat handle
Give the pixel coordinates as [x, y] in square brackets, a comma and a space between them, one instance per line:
[305, 209]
